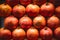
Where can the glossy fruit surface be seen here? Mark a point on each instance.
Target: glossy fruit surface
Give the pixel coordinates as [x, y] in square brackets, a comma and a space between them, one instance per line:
[57, 33]
[39, 22]
[57, 11]
[5, 10]
[18, 11]
[32, 34]
[18, 34]
[32, 10]
[53, 22]
[25, 22]
[5, 34]
[46, 33]
[47, 9]
[11, 22]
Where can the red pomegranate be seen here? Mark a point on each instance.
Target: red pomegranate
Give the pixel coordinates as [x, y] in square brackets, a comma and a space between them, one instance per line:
[57, 11]
[39, 2]
[12, 2]
[25, 22]
[5, 34]
[52, 1]
[11, 22]
[18, 10]
[53, 22]
[32, 34]
[39, 22]
[47, 9]
[25, 2]
[5, 10]
[18, 34]
[46, 33]
[32, 10]
[57, 33]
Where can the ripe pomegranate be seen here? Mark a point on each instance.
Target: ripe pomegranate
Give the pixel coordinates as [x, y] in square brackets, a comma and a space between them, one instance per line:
[12, 2]
[57, 33]
[57, 11]
[32, 10]
[18, 34]
[46, 33]
[32, 34]
[25, 22]
[39, 22]
[25, 2]
[39, 2]
[52, 1]
[53, 22]
[5, 34]
[18, 10]
[5, 10]
[47, 9]
[11, 22]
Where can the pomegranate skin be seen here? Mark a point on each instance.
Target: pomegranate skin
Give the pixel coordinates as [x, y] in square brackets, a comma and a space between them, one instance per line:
[57, 11]
[46, 33]
[57, 33]
[47, 10]
[5, 10]
[18, 34]
[53, 22]
[11, 22]
[32, 10]
[32, 34]
[12, 2]
[39, 22]
[25, 22]
[5, 34]
[25, 2]
[39, 2]
[18, 11]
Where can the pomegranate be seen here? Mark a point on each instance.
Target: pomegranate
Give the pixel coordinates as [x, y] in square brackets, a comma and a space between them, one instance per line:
[18, 34]
[57, 33]
[47, 9]
[25, 2]
[11, 22]
[46, 33]
[18, 10]
[39, 22]
[25, 22]
[39, 2]
[5, 34]
[32, 10]
[32, 34]
[12, 2]
[57, 11]
[5, 10]
[53, 22]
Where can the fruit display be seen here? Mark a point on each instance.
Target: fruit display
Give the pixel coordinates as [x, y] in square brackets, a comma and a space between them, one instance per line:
[53, 22]
[32, 34]
[18, 10]
[5, 10]
[39, 22]
[32, 10]
[18, 34]
[11, 22]
[30, 20]
[47, 9]
[25, 22]
[57, 11]
[46, 33]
